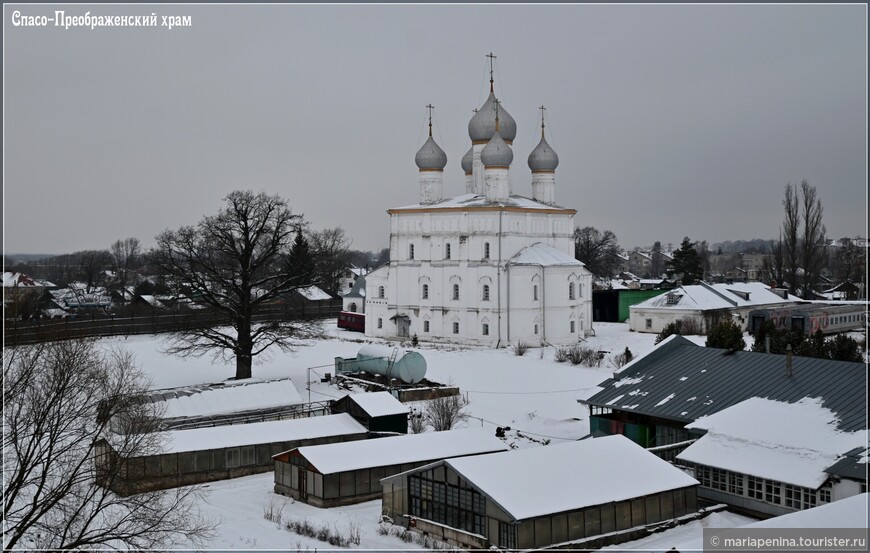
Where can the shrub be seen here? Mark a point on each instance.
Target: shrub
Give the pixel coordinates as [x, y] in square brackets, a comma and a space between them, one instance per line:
[561, 354]
[521, 348]
[726, 335]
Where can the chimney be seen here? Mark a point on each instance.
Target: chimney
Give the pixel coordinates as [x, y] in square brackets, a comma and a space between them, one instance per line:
[788, 368]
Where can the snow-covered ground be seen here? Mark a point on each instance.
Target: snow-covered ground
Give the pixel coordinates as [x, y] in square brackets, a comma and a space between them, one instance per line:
[533, 394]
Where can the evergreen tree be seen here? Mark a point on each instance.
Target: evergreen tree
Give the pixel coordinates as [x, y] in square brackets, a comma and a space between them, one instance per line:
[726, 335]
[687, 263]
[300, 262]
[843, 348]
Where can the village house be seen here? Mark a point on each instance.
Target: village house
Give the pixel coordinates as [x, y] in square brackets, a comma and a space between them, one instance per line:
[770, 458]
[653, 398]
[701, 306]
[571, 493]
[488, 267]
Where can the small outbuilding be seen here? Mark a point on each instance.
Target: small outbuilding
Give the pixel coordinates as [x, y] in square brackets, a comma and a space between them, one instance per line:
[377, 411]
[570, 493]
[345, 473]
[202, 455]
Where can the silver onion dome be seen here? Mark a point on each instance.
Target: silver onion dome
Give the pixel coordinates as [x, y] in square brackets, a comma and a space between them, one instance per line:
[431, 156]
[468, 161]
[496, 153]
[543, 158]
[482, 125]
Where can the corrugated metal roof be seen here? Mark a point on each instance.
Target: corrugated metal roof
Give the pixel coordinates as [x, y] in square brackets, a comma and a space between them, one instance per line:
[851, 466]
[703, 381]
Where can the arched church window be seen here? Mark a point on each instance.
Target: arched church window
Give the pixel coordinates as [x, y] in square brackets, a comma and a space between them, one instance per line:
[425, 291]
[411, 251]
[381, 292]
[486, 292]
[486, 250]
[447, 251]
[455, 292]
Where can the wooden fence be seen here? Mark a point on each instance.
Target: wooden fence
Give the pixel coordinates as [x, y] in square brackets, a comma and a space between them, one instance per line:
[89, 326]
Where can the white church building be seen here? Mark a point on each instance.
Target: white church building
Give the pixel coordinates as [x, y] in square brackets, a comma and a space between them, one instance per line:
[489, 267]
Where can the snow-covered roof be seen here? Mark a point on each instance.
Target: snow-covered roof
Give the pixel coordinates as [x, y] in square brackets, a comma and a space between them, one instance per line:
[152, 300]
[229, 397]
[542, 254]
[569, 476]
[379, 404]
[844, 513]
[313, 293]
[235, 435]
[480, 200]
[19, 280]
[716, 296]
[412, 448]
[788, 442]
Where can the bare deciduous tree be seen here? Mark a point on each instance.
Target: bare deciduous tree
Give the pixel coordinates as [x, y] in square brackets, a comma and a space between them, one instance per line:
[92, 267]
[444, 413]
[125, 254]
[812, 244]
[233, 261]
[803, 239]
[599, 251]
[331, 251]
[59, 399]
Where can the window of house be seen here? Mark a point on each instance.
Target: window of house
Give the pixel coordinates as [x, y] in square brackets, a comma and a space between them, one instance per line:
[580, 289]
[380, 323]
[486, 292]
[754, 487]
[535, 292]
[456, 292]
[455, 328]
[425, 326]
[825, 494]
[485, 329]
[447, 251]
[486, 250]
[425, 291]
[352, 308]
[772, 492]
[648, 324]
[411, 251]
[571, 291]
[381, 292]
[717, 479]
[572, 327]
[735, 483]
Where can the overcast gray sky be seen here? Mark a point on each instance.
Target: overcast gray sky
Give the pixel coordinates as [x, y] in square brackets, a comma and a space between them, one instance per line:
[669, 120]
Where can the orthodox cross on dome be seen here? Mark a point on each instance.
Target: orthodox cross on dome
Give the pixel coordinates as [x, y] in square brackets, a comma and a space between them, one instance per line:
[430, 107]
[542, 108]
[491, 57]
[496, 114]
